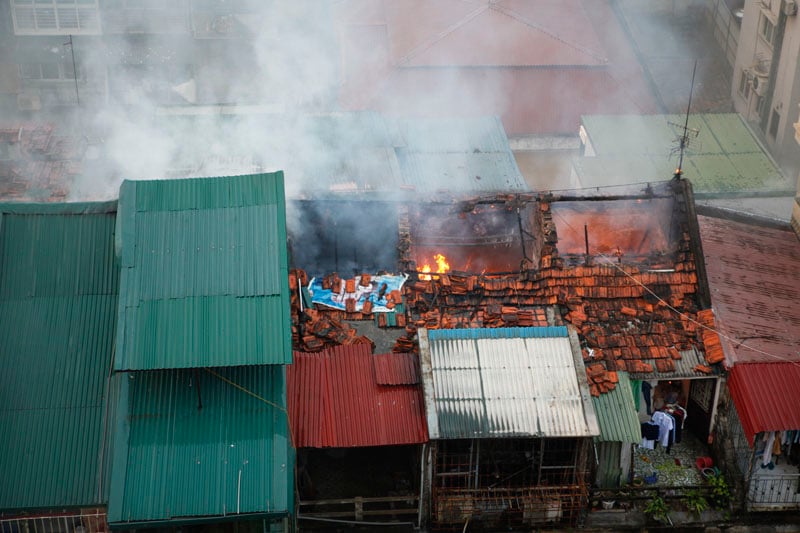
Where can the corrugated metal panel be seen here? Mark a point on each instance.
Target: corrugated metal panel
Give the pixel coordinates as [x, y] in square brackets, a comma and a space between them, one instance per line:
[616, 414]
[335, 401]
[724, 157]
[461, 172]
[455, 135]
[752, 273]
[396, 368]
[58, 302]
[208, 193]
[505, 382]
[207, 258]
[609, 469]
[766, 396]
[377, 154]
[174, 460]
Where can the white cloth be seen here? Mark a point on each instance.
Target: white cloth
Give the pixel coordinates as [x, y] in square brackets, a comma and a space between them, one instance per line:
[648, 444]
[766, 458]
[666, 424]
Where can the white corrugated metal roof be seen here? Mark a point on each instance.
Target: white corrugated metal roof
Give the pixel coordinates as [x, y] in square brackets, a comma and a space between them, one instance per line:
[504, 382]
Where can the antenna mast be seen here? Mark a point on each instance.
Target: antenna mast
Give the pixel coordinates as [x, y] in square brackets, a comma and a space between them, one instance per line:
[684, 138]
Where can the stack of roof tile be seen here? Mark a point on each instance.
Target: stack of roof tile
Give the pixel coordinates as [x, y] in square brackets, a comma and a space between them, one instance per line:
[600, 380]
[709, 337]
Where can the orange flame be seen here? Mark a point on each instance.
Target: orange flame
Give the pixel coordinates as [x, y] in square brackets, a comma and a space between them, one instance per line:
[442, 266]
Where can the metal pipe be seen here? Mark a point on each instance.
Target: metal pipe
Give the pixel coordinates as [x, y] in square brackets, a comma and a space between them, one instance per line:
[356, 522]
[477, 463]
[300, 292]
[586, 238]
[74, 71]
[239, 491]
[421, 490]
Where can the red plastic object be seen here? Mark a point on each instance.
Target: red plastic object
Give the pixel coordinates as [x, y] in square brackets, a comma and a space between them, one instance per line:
[704, 462]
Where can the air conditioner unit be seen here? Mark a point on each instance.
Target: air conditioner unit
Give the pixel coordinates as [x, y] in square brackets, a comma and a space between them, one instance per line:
[29, 102]
[760, 84]
[790, 8]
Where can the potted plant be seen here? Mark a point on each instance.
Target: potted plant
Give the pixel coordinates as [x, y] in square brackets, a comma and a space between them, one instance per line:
[658, 510]
[720, 492]
[695, 502]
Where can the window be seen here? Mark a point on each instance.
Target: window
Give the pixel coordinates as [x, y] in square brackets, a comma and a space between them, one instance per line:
[744, 84]
[55, 17]
[766, 29]
[773, 123]
[760, 104]
[47, 71]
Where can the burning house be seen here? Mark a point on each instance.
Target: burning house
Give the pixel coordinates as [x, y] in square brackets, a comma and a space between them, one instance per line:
[622, 273]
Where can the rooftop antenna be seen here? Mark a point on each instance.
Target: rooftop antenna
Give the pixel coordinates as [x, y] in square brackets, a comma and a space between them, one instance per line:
[688, 133]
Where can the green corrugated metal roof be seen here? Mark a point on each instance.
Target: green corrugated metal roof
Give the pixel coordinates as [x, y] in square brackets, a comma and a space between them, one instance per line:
[724, 157]
[616, 413]
[58, 305]
[205, 258]
[173, 461]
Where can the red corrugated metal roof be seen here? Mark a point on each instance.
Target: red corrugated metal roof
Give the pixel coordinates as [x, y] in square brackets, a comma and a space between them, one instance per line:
[421, 59]
[335, 401]
[396, 369]
[453, 32]
[752, 273]
[766, 396]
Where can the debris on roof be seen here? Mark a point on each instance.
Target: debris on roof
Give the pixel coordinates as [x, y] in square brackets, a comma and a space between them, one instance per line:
[636, 307]
[38, 164]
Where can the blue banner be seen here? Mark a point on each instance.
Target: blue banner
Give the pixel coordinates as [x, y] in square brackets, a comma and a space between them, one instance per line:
[375, 291]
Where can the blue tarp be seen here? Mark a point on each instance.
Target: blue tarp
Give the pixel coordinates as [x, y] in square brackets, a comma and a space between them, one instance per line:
[328, 298]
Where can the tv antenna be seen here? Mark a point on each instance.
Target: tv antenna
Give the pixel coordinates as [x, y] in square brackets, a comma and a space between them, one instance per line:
[687, 133]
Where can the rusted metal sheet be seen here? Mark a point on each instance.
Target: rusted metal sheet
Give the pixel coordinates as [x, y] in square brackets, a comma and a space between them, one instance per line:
[753, 273]
[335, 401]
[504, 382]
[766, 396]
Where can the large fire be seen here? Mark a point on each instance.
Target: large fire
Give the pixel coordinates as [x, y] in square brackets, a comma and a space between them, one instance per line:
[442, 266]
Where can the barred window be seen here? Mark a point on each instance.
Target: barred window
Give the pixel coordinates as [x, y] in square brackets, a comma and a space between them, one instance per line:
[55, 17]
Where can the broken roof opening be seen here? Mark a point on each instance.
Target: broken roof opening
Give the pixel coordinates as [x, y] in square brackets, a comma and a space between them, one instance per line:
[633, 229]
[476, 237]
[348, 237]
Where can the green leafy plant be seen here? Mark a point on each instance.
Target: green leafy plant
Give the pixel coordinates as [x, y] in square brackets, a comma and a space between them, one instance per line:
[657, 509]
[695, 502]
[720, 492]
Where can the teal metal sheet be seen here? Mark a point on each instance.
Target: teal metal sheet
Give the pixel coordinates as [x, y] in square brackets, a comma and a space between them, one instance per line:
[197, 444]
[463, 172]
[723, 155]
[452, 135]
[616, 414]
[206, 258]
[58, 305]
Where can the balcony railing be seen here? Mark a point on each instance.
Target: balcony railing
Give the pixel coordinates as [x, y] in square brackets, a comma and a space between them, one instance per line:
[776, 492]
[86, 521]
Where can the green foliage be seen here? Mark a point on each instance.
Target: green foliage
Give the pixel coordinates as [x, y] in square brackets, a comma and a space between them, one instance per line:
[720, 492]
[657, 509]
[695, 502]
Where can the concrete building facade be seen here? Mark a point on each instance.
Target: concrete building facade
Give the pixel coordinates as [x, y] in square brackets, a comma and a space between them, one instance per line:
[766, 79]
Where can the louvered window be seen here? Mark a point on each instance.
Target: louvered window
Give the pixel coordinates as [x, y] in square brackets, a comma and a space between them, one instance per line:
[55, 17]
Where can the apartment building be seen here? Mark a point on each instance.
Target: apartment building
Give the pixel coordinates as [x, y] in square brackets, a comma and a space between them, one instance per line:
[766, 79]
